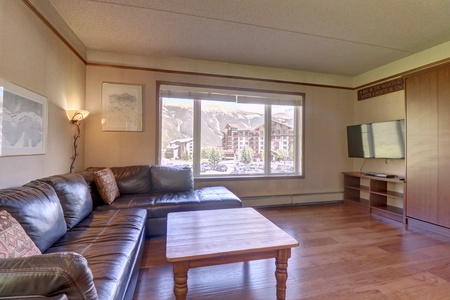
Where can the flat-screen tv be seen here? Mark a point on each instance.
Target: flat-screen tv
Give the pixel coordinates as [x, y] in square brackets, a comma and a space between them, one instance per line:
[377, 140]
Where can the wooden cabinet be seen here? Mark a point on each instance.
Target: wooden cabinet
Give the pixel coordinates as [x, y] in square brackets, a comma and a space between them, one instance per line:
[421, 145]
[375, 194]
[443, 215]
[428, 146]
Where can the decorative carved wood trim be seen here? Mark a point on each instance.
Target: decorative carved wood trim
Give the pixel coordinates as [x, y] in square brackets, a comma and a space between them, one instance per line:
[381, 89]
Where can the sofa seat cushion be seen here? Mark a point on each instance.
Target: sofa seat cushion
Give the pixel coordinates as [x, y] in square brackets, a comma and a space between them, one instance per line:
[110, 241]
[36, 207]
[158, 205]
[131, 201]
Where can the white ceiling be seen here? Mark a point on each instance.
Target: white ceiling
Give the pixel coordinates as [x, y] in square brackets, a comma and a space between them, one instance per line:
[344, 37]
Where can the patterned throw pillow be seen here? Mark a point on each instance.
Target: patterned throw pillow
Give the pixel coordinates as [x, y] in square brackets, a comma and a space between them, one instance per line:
[14, 241]
[106, 185]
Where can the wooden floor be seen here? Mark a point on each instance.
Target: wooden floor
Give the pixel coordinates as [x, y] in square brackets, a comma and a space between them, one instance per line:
[343, 254]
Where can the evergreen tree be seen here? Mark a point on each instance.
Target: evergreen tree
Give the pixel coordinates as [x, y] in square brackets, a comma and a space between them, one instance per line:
[247, 155]
[215, 156]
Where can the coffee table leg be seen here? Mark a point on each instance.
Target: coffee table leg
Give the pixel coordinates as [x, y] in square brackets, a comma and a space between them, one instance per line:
[281, 263]
[180, 270]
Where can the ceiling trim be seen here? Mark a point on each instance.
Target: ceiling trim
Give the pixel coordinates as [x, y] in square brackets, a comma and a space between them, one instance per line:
[410, 72]
[53, 29]
[219, 76]
[414, 71]
[429, 67]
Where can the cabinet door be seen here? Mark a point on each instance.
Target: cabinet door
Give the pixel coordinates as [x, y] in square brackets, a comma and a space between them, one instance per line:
[444, 146]
[422, 147]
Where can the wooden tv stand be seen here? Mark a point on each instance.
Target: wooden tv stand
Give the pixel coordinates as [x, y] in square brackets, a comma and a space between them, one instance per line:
[373, 194]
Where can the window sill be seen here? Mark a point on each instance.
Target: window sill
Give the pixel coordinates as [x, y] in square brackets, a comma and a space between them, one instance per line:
[240, 178]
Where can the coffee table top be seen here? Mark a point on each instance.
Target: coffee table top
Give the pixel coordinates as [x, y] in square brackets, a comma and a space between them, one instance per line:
[212, 233]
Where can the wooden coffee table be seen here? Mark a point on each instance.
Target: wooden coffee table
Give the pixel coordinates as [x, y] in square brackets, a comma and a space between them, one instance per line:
[212, 237]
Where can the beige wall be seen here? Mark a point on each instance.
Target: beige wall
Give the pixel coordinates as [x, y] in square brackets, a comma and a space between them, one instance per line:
[382, 108]
[327, 112]
[33, 57]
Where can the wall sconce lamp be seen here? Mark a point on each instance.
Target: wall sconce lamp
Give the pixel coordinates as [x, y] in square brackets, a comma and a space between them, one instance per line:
[75, 117]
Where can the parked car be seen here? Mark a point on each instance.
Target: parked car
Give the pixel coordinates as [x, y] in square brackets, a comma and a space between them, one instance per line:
[220, 168]
[204, 166]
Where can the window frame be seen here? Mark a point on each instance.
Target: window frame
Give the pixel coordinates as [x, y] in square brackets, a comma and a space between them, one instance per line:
[299, 114]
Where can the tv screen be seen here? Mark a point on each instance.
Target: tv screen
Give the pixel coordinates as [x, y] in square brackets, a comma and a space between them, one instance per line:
[358, 141]
[377, 140]
[388, 139]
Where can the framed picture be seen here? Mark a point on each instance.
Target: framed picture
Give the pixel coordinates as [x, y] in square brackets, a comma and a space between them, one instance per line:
[23, 121]
[121, 107]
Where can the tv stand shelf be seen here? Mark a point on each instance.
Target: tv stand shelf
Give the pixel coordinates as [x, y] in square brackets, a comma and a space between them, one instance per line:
[375, 194]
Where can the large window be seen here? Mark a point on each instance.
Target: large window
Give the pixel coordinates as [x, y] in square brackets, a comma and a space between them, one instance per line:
[222, 132]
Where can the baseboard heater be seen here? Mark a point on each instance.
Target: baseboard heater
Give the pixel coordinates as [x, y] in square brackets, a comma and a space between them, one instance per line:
[274, 200]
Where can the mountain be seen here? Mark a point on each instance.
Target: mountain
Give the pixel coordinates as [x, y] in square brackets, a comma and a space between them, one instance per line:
[177, 122]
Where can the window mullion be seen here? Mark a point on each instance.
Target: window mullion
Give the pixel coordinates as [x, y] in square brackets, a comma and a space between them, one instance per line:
[267, 138]
[297, 139]
[197, 137]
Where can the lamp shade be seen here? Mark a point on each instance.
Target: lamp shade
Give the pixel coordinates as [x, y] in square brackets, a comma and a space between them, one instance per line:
[77, 115]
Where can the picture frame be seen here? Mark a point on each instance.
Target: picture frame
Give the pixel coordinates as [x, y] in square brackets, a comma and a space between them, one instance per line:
[23, 121]
[121, 107]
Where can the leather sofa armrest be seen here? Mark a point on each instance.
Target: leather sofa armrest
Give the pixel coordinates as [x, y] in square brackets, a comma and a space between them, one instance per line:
[50, 275]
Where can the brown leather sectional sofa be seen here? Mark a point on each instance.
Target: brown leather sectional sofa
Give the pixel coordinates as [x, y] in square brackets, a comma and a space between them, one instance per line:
[91, 250]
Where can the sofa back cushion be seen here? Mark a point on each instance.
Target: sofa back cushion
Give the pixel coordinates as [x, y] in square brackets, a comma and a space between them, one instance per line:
[129, 179]
[133, 179]
[74, 194]
[36, 207]
[89, 177]
[171, 179]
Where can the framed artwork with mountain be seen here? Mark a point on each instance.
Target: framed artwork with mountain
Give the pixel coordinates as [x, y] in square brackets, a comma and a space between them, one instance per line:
[121, 107]
[23, 121]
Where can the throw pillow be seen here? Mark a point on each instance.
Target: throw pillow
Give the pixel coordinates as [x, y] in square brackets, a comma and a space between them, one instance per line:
[106, 185]
[14, 242]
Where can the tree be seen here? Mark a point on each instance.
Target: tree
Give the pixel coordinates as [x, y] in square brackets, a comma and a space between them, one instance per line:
[185, 156]
[247, 155]
[169, 153]
[291, 153]
[283, 155]
[213, 155]
[206, 152]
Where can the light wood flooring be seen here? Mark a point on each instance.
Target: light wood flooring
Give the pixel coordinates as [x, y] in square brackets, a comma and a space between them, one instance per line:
[343, 254]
